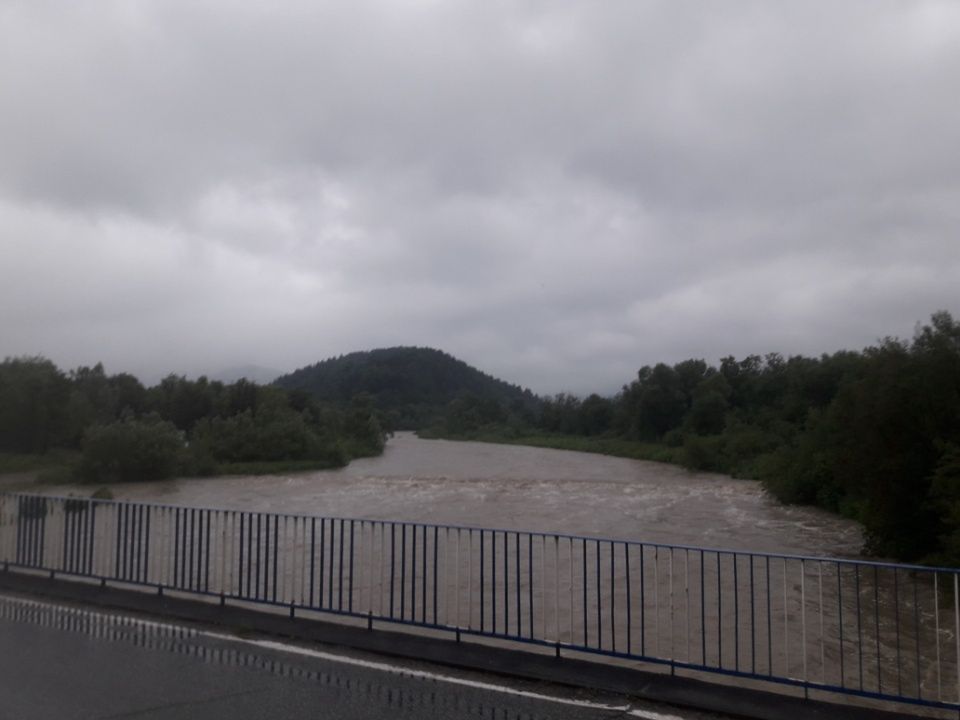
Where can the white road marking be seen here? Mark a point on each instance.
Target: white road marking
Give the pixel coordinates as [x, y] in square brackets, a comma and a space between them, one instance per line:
[439, 677]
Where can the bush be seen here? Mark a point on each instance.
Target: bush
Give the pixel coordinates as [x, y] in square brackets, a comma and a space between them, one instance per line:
[131, 450]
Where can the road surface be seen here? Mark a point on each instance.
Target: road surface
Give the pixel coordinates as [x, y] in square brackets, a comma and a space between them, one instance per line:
[62, 661]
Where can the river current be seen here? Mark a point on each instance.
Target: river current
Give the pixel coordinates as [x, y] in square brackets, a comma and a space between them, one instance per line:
[526, 488]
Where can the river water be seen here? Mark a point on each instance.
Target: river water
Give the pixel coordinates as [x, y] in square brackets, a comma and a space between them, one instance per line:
[526, 488]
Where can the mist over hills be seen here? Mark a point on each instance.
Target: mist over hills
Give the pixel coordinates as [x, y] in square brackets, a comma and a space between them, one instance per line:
[411, 386]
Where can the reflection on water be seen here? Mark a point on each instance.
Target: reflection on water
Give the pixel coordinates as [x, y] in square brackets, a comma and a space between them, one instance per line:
[402, 696]
[527, 488]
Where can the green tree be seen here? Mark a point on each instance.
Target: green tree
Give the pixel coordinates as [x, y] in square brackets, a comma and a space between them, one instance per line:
[131, 450]
[33, 405]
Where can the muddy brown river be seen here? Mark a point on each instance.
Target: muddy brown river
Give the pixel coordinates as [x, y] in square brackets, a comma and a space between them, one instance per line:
[526, 488]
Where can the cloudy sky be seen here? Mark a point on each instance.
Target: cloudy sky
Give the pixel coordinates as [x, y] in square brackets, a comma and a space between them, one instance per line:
[556, 192]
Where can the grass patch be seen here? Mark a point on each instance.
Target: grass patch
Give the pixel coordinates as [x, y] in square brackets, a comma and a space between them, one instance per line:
[57, 467]
[17, 463]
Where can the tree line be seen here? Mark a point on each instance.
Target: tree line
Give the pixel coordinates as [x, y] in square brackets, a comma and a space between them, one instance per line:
[873, 434]
[124, 431]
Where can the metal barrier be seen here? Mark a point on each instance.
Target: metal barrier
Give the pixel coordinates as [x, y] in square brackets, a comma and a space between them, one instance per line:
[870, 629]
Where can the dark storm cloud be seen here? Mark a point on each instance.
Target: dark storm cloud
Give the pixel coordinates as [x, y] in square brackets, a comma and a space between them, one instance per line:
[558, 193]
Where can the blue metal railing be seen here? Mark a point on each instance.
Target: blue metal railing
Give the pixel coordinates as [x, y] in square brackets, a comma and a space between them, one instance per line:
[869, 629]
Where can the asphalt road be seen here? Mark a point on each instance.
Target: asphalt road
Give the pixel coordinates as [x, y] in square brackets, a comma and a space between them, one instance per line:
[60, 661]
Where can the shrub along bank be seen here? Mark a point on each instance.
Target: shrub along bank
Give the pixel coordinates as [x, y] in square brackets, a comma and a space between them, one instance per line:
[93, 427]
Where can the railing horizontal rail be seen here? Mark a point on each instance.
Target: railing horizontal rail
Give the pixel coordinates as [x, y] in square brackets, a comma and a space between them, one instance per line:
[870, 629]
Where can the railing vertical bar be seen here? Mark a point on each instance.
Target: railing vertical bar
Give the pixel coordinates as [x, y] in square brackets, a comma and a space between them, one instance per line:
[129, 538]
[516, 543]
[719, 616]
[470, 580]
[753, 621]
[413, 573]
[403, 571]
[222, 517]
[323, 562]
[703, 611]
[736, 614]
[599, 603]
[482, 580]
[206, 562]
[263, 529]
[896, 616]
[423, 586]
[916, 626]
[340, 567]
[626, 565]
[688, 610]
[119, 527]
[583, 557]
[613, 597]
[769, 621]
[786, 624]
[456, 580]
[936, 627]
[313, 557]
[240, 555]
[570, 567]
[176, 547]
[530, 582]
[68, 538]
[876, 619]
[436, 540]
[643, 603]
[803, 620]
[331, 547]
[393, 564]
[843, 675]
[193, 543]
[146, 550]
[856, 579]
[341, 543]
[276, 556]
[506, 585]
[956, 627]
[656, 598]
[382, 577]
[353, 539]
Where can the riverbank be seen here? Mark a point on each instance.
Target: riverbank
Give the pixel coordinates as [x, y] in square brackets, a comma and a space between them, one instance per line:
[22, 472]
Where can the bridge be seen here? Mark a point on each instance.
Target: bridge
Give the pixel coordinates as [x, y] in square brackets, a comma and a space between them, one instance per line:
[824, 628]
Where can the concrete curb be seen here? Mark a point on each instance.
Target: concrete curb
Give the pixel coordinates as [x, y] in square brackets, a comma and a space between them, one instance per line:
[673, 690]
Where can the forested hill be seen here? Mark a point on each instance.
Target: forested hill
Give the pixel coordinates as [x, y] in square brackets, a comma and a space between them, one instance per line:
[411, 386]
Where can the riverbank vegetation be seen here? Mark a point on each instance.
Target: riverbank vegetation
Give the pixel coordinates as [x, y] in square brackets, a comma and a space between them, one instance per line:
[871, 434]
[92, 427]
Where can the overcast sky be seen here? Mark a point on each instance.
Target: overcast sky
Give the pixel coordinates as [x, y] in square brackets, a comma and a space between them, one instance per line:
[555, 192]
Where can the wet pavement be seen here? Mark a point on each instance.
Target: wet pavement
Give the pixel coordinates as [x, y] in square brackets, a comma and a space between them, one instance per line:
[64, 661]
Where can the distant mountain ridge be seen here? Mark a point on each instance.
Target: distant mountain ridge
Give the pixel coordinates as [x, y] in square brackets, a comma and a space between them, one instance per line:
[412, 386]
